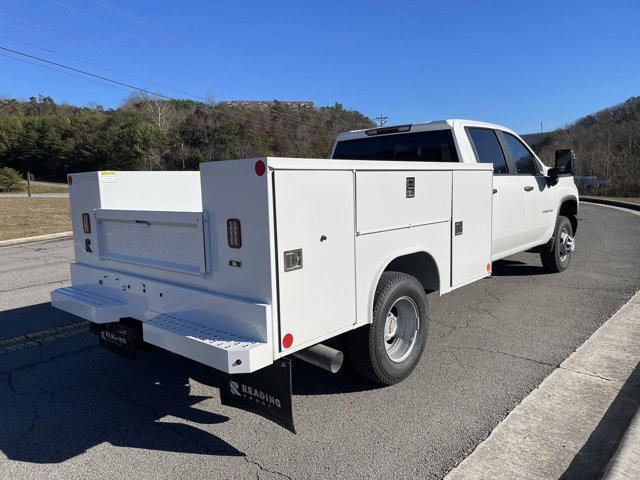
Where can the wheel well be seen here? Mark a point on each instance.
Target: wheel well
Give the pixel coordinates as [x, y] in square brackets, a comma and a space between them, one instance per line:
[420, 265]
[569, 209]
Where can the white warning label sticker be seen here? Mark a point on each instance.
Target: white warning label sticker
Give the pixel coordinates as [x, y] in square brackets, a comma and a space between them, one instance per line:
[108, 177]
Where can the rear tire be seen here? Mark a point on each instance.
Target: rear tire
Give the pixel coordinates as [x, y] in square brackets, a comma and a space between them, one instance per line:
[388, 350]
[557, 258]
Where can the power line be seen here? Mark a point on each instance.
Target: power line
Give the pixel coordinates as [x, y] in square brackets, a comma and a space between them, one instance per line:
[132, 18]
[78, 12]
[289, 118]
[128, 16]
[50, 32]
[61, 71]
[40, 35]
[101, 66]
[290, 121]
[127, 85]
[382, 119]
[84, 72]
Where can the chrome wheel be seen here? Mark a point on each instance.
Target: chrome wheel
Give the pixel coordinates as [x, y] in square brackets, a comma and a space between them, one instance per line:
[567, 244]
[401, 329]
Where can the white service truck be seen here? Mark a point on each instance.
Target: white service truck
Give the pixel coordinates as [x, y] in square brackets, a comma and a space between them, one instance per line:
[247, 262]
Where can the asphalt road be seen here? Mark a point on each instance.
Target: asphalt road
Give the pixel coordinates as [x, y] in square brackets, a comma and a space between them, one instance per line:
[69, 409]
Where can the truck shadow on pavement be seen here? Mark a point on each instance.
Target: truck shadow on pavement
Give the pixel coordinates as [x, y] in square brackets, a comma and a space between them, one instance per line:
[81, 396]
[61, 398]
[515, 268]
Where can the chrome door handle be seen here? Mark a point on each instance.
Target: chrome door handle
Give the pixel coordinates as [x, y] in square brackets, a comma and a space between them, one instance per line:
[528, 188]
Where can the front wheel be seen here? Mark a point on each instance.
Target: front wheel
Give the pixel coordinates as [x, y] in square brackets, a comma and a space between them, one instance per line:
[557, 258]
[388, 350]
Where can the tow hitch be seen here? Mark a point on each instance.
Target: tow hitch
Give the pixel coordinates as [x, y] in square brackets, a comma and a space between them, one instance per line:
[123, 337]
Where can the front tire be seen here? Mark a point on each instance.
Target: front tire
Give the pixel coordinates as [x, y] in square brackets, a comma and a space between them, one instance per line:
[557, 258]
[388, 350]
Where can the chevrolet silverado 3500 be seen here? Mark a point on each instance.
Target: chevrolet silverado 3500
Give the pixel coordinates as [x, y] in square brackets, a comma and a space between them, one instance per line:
[247, 262]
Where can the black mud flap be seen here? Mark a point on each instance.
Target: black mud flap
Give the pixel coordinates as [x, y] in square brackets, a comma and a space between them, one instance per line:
[266, 392]
[118, 338]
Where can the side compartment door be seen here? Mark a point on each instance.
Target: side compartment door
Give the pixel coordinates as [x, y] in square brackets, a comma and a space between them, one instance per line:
[471, 229]
[315, 232]
[507, 221]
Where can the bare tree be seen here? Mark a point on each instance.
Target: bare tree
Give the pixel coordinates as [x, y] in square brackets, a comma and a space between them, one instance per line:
[161, 113]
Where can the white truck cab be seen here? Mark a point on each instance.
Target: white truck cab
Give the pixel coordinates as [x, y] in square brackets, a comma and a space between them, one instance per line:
[247, 262]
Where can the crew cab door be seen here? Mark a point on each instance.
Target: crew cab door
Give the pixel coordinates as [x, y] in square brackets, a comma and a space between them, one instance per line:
[507, 220]
[538, 197]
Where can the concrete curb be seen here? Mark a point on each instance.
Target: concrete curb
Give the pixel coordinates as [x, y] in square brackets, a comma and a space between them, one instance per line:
[38, 238]
[614, 203]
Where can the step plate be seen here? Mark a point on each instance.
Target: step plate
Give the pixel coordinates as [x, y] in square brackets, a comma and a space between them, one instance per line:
[213, 347]
[88, 305]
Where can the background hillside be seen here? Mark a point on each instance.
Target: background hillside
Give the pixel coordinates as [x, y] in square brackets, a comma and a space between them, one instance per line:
[607, 145]
[50, 139]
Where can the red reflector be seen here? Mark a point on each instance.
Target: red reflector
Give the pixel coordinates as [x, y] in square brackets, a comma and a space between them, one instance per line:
[86, 223]
[234, 235]
[69, 179]
[260, 168]
[287, 341]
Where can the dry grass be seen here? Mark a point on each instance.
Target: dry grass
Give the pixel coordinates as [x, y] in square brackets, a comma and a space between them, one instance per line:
[45, 187]
[27, 217]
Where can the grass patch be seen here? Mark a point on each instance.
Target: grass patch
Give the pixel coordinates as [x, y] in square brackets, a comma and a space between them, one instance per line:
[28, 217]
[45, 187]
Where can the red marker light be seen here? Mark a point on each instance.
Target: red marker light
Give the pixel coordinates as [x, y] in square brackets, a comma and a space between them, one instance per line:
[260, 168]
[69, 179]
[287, 341]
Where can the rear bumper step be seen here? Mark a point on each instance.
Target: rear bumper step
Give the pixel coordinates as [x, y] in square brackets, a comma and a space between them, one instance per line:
[217, 348]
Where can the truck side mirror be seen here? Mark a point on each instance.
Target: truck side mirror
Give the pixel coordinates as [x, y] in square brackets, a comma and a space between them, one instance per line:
[564, 161]
[552, 176]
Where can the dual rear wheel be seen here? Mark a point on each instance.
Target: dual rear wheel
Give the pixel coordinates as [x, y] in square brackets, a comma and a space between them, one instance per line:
[388, 350]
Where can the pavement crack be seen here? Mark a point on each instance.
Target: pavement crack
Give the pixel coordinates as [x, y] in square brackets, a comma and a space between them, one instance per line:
[41, 362]
[500, 352]
[263, 469]
[579, 372]
[491, 294]
[64, 280]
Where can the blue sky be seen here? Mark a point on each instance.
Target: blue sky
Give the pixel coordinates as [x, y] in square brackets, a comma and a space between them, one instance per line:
[513, 63]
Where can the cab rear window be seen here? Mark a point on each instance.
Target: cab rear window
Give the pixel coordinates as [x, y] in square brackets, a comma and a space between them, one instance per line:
[432, 146]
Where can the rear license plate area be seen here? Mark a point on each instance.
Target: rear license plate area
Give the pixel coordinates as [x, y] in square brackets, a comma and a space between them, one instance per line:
[118, 338]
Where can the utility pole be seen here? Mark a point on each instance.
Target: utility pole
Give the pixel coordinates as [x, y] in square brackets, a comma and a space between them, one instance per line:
[382, 120]
[28, 183]
[541, 128]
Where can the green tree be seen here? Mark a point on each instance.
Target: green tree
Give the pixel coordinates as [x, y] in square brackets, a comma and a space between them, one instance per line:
[10, 180]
